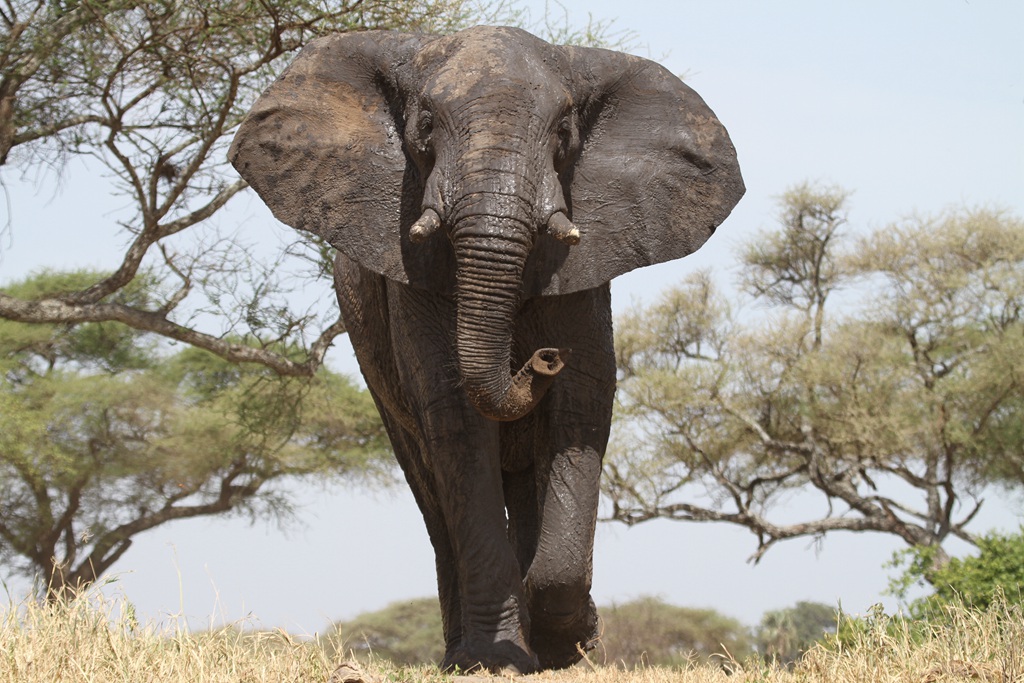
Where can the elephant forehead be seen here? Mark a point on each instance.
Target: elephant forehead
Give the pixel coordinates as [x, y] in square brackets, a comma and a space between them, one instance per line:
[469, 64]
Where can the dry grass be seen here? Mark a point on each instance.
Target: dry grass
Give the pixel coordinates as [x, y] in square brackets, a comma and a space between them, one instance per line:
[98, 640]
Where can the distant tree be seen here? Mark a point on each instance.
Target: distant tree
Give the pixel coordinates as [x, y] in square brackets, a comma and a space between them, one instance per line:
[103, 437]
[648, 631]
[407, 633]
[973, 581]
[896, 405]
[785, 634]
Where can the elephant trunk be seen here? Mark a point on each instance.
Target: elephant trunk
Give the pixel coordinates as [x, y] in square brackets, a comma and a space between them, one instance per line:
[490, 254]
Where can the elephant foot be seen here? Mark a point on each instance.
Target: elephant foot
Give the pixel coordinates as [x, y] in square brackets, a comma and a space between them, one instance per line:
[560, 641]
[502, 657]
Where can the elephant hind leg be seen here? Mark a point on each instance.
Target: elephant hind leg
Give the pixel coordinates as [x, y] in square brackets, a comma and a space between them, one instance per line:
[420, 479]
[520, 489]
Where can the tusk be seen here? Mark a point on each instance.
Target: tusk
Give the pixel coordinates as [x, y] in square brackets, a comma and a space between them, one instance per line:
[562, 229]
[426, 226]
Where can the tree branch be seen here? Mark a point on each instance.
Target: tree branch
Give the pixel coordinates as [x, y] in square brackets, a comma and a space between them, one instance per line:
[56, 128]
[56, 311]
[140, 246]
[119, 539]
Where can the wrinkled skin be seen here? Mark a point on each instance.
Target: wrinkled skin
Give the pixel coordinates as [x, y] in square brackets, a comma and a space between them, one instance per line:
[482, 189]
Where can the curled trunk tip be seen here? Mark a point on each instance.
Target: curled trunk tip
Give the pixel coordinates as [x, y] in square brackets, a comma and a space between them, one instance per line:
[526, 389]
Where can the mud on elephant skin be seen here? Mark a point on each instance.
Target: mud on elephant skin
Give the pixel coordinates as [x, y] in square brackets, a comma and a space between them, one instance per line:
[482, 189]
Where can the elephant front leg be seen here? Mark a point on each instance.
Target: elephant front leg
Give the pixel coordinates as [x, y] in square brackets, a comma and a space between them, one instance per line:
[567, 437]
[363, 298]
[461, 447]
[558, 582]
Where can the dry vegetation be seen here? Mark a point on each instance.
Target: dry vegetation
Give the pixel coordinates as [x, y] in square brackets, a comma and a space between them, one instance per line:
[100, 640]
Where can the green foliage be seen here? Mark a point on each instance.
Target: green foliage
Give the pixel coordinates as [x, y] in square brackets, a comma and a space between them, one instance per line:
[785, 635]
[103, 437]
[650, 632]
[884, 373]
[405, 633]
[975, 580]
[968, 643]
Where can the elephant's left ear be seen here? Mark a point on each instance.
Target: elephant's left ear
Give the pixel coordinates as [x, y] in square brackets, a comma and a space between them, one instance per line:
[323, 149]
[657, 172]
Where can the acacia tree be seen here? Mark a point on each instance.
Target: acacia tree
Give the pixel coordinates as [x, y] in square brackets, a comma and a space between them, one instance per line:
[896, 406]
[103, 437]
[150, 92]
[98, 441]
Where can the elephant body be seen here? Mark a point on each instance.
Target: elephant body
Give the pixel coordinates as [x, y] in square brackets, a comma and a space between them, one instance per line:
[510, 506]
[482, 189]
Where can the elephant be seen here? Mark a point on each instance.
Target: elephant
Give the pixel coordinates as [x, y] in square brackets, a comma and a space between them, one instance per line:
[481, 189]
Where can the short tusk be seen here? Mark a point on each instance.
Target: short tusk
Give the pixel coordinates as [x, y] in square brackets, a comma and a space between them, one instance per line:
[562, 229]
[426, 226]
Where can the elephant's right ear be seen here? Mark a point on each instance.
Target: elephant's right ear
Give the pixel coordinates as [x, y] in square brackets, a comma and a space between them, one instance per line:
[323, 150]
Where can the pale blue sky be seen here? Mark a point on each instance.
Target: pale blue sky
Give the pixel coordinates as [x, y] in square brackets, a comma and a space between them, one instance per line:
[914, 106]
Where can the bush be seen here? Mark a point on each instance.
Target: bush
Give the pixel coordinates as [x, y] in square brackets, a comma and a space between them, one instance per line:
[975, 580]
[650, 632]
[970, 643]
[784, 635]
[406, 633]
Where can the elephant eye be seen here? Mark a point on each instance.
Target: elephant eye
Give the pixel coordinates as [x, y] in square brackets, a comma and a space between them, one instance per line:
[564, 130]
[418, 133]
[425, 126]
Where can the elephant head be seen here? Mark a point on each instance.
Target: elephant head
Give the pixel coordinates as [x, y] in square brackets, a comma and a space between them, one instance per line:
[493, 166]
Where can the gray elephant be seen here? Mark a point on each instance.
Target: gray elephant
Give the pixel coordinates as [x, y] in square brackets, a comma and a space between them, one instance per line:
[481, 189]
